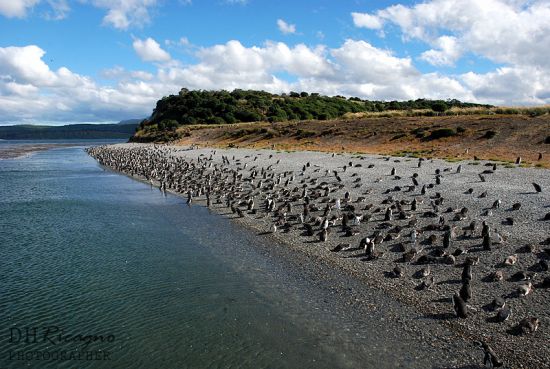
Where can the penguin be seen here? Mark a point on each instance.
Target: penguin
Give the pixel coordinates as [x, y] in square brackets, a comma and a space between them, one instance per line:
[345, 220]
[309, 229]
[323, 235]
[447, 239]
[503, 314]
[466, 291]
[525, 289]
[467, 273]
[537, 187]
[459, 306]
[511, 260]
[388, 215]
[414, 235]
[486, 242]
[490, 359]
[496, 276]
[529, 325]
[497, 303]
[397, 272]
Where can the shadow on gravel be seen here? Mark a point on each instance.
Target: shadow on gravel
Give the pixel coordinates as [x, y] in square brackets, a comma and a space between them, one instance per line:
[440, 316]
[473, 366]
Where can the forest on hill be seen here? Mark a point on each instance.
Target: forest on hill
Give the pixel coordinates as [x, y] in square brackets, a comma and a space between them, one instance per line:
[124, 129]
[224, 107]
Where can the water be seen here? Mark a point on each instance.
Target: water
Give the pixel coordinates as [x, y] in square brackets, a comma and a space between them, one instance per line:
[91, 252]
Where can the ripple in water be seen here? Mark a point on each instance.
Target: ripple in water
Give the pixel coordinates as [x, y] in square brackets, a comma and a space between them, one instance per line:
[93, 252]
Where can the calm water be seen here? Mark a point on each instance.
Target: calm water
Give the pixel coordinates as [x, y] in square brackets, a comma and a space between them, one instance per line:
[91, 252]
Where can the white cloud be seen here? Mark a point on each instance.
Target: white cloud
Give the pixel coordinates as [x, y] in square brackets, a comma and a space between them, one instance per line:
[121, 74]
[285, 27]
[60, 9]
[149, 50]
[367, 21]
[25, 65]
[31, 91]
[123, 14]
[514, 32]
[16, 8]
[510, 86]
[449, 51]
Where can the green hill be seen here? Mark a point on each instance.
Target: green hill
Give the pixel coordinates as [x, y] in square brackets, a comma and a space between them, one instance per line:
[224, 107]
[123, 130]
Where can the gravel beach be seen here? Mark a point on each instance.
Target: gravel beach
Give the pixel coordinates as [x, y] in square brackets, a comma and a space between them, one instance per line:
[517, 215]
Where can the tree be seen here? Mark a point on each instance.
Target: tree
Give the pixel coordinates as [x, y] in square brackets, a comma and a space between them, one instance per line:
[439, 106]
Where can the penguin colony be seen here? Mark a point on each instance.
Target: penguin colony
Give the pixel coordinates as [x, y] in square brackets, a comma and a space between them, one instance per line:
[402, 220]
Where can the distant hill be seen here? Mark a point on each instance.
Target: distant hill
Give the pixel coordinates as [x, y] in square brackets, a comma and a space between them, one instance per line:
[130, 121]
[124, 129]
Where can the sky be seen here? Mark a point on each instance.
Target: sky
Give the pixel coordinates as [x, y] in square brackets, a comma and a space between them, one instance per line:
[74, 61]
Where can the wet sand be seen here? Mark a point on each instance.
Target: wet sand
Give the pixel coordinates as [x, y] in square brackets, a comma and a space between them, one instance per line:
[17, 151]
[432, 306]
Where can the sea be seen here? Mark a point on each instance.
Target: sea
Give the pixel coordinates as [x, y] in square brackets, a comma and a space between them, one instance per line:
[98, 270]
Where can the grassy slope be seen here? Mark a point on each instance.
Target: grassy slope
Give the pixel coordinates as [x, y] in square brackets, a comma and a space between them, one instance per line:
[514, 135]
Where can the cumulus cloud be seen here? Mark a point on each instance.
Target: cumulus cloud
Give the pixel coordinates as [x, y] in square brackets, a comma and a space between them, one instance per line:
[150, 51]
[16, 8]
[123, 14]
[367, 20]
[511, 32]
[448, 52]
[31, 90]
[59, 9]
[285, 27]
[510, 86]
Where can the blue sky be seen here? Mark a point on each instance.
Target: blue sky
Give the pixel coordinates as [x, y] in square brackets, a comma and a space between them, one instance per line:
[65, 61]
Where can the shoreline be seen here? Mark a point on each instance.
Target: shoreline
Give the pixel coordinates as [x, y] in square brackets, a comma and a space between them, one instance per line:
[433, 304]
[23, 150]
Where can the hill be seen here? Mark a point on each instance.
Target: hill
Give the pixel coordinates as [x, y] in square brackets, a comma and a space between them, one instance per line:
[123, 130]
[223, 107]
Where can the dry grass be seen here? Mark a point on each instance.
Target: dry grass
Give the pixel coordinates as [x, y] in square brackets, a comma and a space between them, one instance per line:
[501, 110]
[491, 137]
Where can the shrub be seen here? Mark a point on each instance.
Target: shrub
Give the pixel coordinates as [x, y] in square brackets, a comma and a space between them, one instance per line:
[460, 129]
[547, 140]
[398, 136]
[489, 134]
[441, 133]
[304, 134]
[168, 125]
